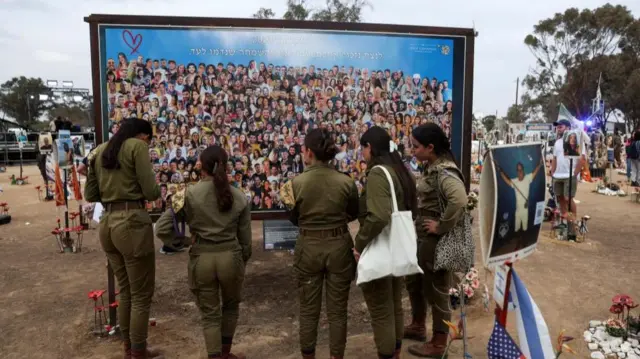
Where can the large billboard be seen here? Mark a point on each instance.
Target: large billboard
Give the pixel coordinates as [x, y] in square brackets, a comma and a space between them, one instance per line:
[256, 91]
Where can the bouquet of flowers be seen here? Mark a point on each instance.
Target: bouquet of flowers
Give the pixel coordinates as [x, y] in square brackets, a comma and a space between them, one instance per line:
[467, 287]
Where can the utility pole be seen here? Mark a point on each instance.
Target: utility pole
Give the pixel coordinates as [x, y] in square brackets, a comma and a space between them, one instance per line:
[517, 89]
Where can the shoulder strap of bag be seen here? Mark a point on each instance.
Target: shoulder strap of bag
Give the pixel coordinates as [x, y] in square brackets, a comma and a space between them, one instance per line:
[391, 187]
[439, 179]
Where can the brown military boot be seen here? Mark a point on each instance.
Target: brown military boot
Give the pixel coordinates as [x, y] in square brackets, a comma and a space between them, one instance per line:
[127, 349]
[147, 353]
[416, 330]
[226, 353]
[433, 349]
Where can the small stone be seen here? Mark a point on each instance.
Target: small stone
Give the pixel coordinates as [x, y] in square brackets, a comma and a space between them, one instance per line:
[625, 347]
[622, 355]
[595, 323]
[637, 350]
[607, 350]
[632, 356]
[616, 342]
[634, 342]
[593, 346]
[588, 337]
[597, 355]
[601, 335]
[592, 330]
[605, 345]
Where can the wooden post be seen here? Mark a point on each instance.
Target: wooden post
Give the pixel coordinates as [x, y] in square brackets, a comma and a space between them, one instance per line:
[501, 314]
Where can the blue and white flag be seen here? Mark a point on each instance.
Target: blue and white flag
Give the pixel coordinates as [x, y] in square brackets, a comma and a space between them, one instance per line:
[533, 333]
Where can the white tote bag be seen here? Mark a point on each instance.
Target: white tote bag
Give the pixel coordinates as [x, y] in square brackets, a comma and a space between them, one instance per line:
[394, 251]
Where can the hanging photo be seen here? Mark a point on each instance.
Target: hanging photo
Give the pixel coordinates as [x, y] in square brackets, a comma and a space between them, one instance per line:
[512, 202]
[79, 151]
[45, 143]
[572, 143]
[63, 151]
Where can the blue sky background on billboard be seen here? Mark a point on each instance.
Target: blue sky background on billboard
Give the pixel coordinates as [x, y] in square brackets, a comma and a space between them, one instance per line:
[430, 57]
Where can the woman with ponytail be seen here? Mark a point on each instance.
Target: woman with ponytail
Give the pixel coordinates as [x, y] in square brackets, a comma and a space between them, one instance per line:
[383, 296]
[219, 219]
[322, 202]
[441, 182]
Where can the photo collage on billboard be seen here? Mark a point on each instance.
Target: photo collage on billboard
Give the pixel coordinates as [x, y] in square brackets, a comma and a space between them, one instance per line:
[256, 92]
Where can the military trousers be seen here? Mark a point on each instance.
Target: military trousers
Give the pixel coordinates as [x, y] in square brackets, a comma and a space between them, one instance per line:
[126, 237]
[215, 278]
[416, 294]
[384, 301]
[324, 262]
[435, 284]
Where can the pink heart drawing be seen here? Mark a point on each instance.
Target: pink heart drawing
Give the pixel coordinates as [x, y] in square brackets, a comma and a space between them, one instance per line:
[132, 41]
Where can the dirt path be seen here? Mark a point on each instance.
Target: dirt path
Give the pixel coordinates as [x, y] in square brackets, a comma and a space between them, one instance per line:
[46, 313]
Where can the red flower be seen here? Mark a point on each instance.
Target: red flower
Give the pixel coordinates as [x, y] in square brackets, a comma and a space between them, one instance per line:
[616, 309]
[621, 299]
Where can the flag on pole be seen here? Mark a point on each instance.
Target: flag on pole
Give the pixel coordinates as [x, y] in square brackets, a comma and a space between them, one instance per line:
[75, 183]
[533, 333]
[501, 345]
[59, 188]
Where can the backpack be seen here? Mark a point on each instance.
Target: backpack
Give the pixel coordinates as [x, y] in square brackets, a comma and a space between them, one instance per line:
[633, 151]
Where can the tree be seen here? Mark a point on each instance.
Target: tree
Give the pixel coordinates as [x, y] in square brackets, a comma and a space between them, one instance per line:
[516, 114]
[77, 113]
[296, 10]
[489, 122]
[334, 10]
[20, 99]
[566, 41]
[264, 13]
[341, 11]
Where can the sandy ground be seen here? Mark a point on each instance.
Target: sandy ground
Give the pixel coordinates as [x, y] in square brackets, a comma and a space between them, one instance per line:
[46, 313]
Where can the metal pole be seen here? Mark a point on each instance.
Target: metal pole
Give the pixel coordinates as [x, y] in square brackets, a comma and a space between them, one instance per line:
[66, 204]
[570, 227]
[111, 288]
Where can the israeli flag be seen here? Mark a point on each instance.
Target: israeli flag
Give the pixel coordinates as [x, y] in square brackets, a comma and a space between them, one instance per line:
[533, 333]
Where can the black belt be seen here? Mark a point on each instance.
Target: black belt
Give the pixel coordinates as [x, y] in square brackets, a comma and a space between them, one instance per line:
[123, 206]
[335, 232]
[428, 213]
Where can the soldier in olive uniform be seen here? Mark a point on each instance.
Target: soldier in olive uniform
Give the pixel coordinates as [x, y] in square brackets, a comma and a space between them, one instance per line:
[121, 177]
[322, 201]
[219, 219]
[442, 178]
[383, 296]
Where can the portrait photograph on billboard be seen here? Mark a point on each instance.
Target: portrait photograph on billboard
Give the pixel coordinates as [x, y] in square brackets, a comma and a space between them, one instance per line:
[257, 91]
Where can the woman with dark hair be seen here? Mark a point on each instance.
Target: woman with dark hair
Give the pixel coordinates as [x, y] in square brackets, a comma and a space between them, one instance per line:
[121, 177]
[383, 296]
[442, 178]
[219, 219]
[322, 202]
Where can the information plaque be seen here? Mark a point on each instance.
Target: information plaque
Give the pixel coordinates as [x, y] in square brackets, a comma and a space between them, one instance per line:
[279, 234]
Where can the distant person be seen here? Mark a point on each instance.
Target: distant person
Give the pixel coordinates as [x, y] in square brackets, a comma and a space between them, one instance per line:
[562, 173]
[633, 155]
[521, 185]
[59, 124]
[219, 219]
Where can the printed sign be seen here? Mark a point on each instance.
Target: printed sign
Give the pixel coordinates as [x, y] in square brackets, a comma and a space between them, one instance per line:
[279, 234]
